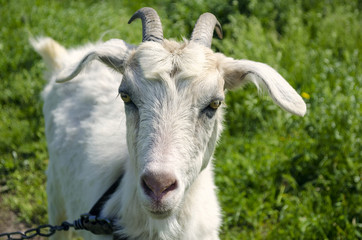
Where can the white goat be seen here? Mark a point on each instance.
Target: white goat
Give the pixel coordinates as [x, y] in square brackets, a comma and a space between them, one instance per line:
[162, 136]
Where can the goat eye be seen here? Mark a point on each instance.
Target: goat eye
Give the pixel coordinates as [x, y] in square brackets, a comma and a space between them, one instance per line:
[210, 110]
[125, 97]
[215, 104]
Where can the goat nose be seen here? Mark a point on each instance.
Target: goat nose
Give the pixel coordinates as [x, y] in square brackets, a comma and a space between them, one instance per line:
[157, 185]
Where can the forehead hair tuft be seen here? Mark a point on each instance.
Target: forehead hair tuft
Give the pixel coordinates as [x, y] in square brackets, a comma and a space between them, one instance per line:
[185, 60]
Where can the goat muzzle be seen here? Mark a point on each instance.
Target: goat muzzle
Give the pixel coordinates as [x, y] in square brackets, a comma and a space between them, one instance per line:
[157, 185]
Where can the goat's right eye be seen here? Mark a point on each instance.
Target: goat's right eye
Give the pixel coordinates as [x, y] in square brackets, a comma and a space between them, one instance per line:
[125, 97]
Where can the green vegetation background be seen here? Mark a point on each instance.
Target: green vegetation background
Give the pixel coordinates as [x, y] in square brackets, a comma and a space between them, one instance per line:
[279, 176]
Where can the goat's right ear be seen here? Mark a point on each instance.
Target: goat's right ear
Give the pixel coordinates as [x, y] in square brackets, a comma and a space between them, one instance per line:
[112, 53]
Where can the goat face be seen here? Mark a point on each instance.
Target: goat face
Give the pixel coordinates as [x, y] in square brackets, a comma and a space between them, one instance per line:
[172, 94]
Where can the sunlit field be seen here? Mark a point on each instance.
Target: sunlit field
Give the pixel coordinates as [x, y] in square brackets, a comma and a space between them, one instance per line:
[279, 176]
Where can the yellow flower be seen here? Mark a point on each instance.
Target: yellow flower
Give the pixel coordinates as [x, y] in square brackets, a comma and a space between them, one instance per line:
[305, 95]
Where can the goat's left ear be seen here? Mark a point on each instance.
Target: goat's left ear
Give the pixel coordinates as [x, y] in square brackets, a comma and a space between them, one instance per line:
[112, 53]
[238, 72]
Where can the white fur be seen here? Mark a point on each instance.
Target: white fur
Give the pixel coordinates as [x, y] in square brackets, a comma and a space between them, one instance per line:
[93, 136]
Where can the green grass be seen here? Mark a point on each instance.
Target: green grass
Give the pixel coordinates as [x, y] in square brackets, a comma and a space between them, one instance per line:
[279, 176]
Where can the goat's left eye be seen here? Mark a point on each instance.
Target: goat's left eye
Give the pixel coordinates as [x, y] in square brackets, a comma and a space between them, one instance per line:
[215, 104]
[125, 97]
[210, 110]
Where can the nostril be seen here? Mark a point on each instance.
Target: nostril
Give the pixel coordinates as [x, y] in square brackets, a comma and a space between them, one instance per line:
[146, 188]
[172, 187]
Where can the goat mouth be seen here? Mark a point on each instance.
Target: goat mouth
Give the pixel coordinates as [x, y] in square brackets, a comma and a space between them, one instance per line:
[158, 211]
[160, 214]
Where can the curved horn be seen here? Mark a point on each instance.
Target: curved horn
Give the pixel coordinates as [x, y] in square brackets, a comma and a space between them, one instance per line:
[204, 29]
[151, 24]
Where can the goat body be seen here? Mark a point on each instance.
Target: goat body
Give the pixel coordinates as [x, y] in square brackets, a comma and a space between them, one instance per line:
[161, 136]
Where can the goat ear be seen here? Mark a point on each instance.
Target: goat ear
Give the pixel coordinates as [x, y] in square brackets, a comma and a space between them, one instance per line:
[239, 72]
[112, 53]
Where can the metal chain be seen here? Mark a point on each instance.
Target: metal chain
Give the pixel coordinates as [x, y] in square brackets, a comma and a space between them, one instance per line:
[88, 222]
[43, 231]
